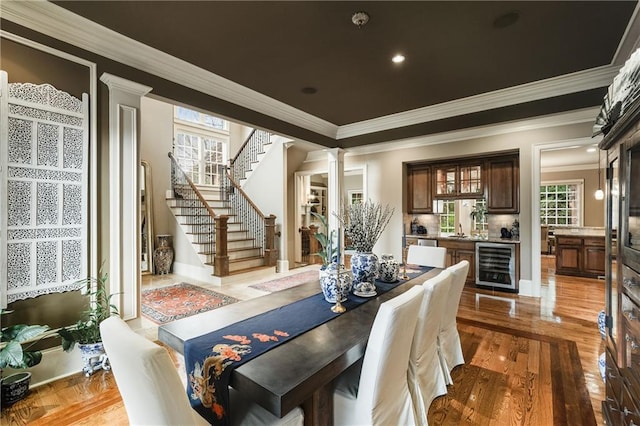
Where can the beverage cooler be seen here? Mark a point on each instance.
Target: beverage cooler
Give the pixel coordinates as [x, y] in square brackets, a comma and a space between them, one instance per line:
[496, 266]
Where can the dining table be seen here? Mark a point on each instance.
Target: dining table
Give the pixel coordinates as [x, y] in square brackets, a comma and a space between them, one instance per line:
[300, 371]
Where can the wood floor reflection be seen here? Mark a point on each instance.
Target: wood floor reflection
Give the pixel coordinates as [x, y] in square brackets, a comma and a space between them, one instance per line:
[529, 361]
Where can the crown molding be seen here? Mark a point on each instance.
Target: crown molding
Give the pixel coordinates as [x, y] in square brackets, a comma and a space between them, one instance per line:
[586, 115]
[57, 22]
[555, 86]
[568, 168]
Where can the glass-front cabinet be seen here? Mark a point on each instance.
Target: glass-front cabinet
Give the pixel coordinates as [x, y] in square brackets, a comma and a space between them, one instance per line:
[622, 275]
[461, 180]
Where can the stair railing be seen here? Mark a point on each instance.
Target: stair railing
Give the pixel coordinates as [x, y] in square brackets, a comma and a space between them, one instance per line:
[195, 211]
[248, 153]
[251, 219]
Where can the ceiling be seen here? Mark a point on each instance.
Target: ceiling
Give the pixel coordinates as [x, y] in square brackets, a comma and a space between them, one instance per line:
[467, 63]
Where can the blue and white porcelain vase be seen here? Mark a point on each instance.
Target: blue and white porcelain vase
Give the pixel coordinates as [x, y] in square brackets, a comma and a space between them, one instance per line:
[94, 358]
[388, 269]
[364, 267]
[335, 284]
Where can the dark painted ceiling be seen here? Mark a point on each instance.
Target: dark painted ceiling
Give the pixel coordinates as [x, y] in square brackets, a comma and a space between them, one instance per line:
[453, 49]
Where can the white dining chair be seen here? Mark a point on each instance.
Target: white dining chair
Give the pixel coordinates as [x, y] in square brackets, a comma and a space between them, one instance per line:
[427, 256]
[448, 337]
[426, 377]
[378, 393]
[152, 391]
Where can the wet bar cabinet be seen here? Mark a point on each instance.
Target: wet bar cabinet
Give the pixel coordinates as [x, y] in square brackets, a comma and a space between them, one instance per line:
[622, 270]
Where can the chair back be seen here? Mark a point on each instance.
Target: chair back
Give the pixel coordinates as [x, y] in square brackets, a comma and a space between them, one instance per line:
[448, 338]
[146, 376]
[427, 256]
[383, 391]
[426, 378]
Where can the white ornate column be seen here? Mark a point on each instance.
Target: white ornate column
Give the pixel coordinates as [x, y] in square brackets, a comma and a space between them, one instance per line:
[335, 158]
[124, 214]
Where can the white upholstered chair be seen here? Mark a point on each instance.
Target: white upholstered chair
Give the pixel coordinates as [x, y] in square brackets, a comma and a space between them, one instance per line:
[427, 256]
[448, 337]
[151, 388]
[426, 377]
[378, 394]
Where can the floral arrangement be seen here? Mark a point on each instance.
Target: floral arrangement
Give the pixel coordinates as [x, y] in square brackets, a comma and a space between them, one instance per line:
[363, 223]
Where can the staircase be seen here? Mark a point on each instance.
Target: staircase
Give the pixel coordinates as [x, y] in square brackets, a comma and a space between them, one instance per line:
[227, 231]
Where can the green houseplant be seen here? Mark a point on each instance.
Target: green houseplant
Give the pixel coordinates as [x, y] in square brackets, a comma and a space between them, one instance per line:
[327, 250]
[14, 355]
[86, 332]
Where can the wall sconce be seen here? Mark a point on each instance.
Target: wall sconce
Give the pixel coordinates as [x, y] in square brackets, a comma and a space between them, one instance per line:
[599, 192]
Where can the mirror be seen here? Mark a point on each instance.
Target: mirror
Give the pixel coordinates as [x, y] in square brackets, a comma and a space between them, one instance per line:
[146, 219]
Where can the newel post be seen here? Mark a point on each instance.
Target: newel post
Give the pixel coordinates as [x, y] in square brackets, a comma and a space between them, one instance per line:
[221, 258]
[270, 250]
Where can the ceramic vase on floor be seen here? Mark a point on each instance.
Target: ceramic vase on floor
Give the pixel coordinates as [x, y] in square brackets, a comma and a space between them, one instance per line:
[364, 267]
[93, 357]
[163, 254]
[335, 284]
[388, 269]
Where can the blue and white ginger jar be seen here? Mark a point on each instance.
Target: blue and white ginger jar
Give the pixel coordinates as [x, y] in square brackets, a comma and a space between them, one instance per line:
[364, 267]
[388, 269]
[334, 284]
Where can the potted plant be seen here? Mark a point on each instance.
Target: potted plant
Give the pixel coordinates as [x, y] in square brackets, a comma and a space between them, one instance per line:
[13, 355]
[86, 332]
[363, 224]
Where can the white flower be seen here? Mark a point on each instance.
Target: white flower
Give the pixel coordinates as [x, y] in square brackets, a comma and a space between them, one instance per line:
[363, 223]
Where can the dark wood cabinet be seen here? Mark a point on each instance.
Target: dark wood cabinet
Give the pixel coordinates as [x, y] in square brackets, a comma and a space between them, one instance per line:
[419, 198]
[581, 256]
[622, 275]
[461, 180]
[458, 251]
[502, 175]
[594, 256]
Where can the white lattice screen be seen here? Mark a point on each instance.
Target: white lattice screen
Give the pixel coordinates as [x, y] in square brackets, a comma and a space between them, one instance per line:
[46, 160]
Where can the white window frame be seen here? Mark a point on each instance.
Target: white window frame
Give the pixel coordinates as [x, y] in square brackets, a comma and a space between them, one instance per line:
[201, 131]
[580, 192]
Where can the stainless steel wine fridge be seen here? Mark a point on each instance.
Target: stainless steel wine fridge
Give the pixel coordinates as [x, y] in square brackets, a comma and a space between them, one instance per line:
[496, 266]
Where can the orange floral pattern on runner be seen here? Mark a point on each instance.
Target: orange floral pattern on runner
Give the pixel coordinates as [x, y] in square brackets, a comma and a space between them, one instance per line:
[281, 333]
[240, 339]
[264, 337]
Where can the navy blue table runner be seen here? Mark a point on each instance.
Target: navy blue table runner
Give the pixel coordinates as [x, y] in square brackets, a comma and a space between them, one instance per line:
[211, 358]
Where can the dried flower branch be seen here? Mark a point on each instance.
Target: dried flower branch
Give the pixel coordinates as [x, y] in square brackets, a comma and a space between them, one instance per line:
[363, 223]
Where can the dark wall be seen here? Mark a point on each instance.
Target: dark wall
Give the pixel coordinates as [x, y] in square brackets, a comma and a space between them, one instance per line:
[27, 65]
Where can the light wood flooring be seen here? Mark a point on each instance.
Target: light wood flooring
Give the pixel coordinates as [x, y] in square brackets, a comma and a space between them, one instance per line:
[529, 361]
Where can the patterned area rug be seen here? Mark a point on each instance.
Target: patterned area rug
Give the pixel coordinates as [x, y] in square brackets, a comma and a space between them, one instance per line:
[162, 305]
[287, 282]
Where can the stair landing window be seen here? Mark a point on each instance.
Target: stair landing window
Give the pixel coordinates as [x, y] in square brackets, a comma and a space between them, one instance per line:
[200, 145]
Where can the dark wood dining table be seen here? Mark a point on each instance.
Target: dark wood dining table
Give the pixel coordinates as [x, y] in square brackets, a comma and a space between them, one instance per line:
[300, 371]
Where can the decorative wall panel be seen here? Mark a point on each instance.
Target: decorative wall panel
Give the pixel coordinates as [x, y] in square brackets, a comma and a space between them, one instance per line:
[46, 161]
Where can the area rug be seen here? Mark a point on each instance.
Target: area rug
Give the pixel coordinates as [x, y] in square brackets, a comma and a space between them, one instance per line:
[165, 304]
[287, 282]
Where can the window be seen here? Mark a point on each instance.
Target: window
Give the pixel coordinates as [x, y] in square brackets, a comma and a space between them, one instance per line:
[355, 197]
[447, 209]
[561, 203]
[200, 145]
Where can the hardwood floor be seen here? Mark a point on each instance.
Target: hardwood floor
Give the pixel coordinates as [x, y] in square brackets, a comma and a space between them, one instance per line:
[529, 361]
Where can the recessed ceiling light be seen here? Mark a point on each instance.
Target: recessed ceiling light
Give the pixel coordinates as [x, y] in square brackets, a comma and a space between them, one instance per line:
[506, 20]
[398, 58]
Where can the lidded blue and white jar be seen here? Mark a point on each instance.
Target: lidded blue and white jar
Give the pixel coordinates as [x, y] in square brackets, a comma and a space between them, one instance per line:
[388, 269]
